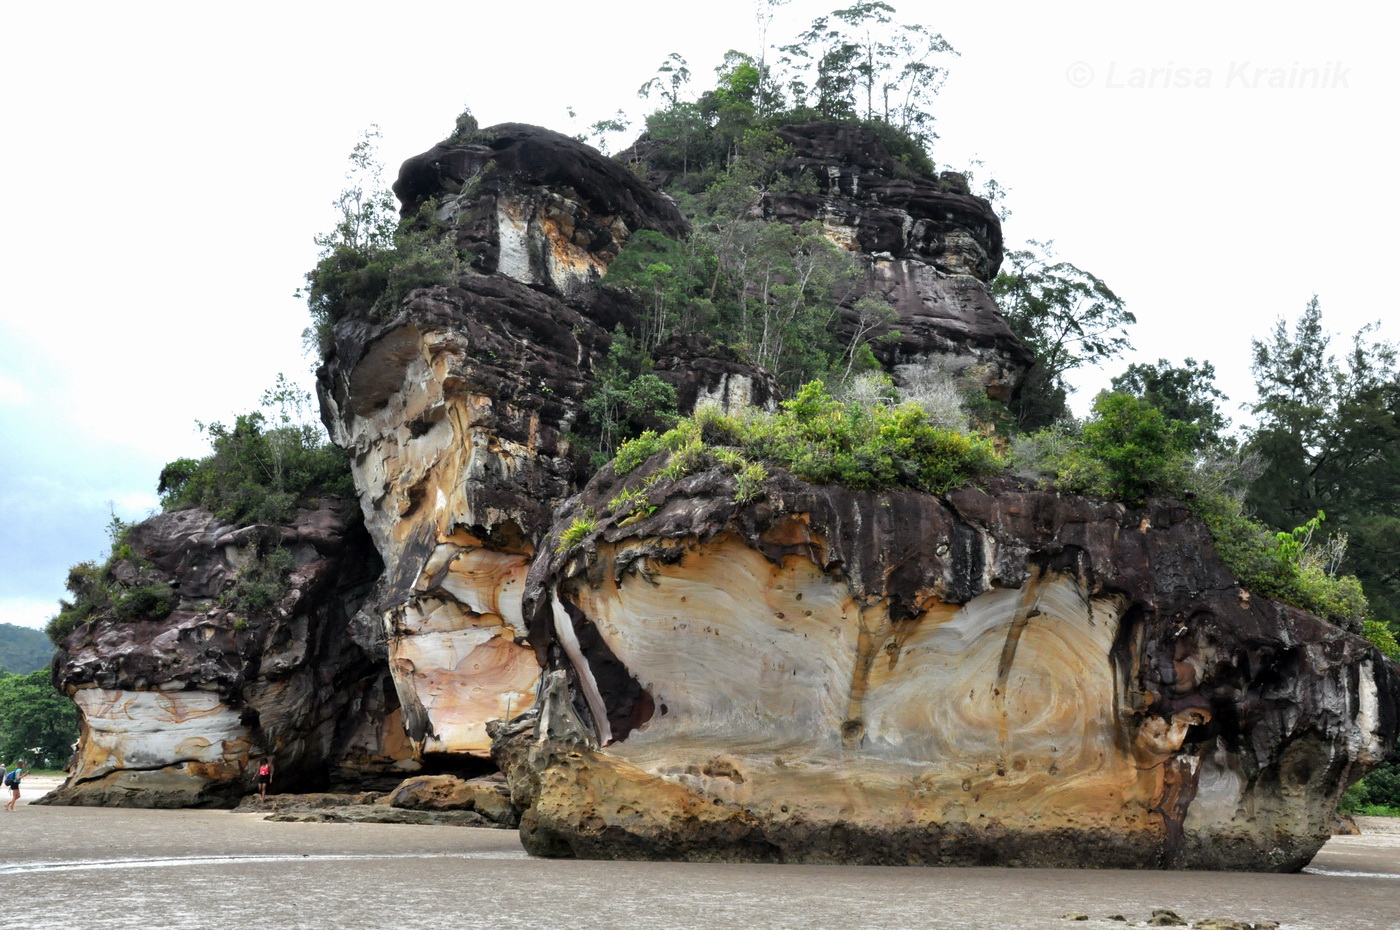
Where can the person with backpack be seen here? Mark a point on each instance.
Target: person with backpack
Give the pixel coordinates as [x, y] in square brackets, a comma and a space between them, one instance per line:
[12, 782]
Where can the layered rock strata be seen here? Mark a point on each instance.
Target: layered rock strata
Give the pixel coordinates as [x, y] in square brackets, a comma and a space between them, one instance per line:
[533, 205]
[457, 409]
[1002, 676]
[930, 249]
[174, 711]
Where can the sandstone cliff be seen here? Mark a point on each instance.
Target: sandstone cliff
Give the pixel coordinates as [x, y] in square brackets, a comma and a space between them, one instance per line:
[175, 712]
[999, 676]
[799, 672]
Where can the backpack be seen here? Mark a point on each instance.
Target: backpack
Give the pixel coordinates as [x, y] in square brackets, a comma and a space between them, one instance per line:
[11, 781]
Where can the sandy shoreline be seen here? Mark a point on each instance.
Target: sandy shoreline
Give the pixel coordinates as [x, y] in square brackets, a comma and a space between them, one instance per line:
[193, 869]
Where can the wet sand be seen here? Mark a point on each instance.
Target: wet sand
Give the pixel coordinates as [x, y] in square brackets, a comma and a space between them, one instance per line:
[117, 869]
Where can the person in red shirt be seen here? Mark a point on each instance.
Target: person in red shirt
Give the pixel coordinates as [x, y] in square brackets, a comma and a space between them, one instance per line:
[264, 779]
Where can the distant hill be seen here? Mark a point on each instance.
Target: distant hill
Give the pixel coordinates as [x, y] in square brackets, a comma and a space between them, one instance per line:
[23, 650]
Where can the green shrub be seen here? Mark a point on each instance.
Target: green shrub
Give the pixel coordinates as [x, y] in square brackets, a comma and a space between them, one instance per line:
[1127, 450]
[1378, 810]
[262, 583]
[92, 589]
[822, 440]
[1382, 637]
[625, 397]
[143, 602]
[748, 482]
[63, 623]
[370, 261]
[635, 451]
[262, 466]
[372, 280]
[1274, 564]
[1376, 795]
[627, 501]
[577, 531]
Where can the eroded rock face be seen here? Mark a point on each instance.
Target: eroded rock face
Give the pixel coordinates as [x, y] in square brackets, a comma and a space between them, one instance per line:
[457, 411]
[454, 413]
[930, 248]
[534, 205]
[174, 711]
[999, 677]
[706, 375]
[867, 203]
[488, 796]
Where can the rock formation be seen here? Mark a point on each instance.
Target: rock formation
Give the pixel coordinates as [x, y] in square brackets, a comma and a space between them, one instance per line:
[457, 410]
[174, 711]
[931, 249]
[997, 675]
[1001, 676]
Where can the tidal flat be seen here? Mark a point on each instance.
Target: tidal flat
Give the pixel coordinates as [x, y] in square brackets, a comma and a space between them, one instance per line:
[186, 869]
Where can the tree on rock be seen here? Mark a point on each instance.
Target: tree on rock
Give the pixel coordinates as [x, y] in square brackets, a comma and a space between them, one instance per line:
[1186, 393]
[1069, 318]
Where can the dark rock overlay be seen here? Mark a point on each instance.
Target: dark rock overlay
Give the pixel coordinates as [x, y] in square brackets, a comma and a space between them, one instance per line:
[176, 712]
[1000, 676]
[930, 247]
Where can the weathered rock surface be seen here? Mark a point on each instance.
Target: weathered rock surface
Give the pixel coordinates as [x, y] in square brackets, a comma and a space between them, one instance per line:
[457, 410]
[1001, 676]
[380, 807]
[867, 203]
[173, 711]
[489, 796]
[454, 413]
[534, 205]
[704, 374]
[930, 247]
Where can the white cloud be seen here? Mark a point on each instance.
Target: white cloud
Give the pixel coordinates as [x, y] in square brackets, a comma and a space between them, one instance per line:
[28, 612]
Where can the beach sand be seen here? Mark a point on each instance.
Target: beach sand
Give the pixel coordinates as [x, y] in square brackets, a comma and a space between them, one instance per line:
[117, 868]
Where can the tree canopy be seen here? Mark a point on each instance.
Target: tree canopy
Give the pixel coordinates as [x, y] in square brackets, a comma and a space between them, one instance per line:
[262, 465]
[23, 650]
[36, 722]
[1067, 316]
[1328, 434]
[1186, 393]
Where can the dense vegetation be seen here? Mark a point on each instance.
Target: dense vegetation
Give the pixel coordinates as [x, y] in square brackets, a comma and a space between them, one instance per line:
[821, 439]
[37, 723]
[262, 466]
[859, 64]
[1378, 794]
[23, 650]
[814, 436]
[370, 260]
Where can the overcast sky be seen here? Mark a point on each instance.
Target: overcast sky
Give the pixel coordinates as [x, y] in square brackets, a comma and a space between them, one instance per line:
[168, 165]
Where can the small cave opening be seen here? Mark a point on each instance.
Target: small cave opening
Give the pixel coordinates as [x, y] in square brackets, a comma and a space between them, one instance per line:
[459, 764]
